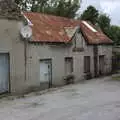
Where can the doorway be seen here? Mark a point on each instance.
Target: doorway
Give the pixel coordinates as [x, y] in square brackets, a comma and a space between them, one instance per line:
[4, 73]
[45, 73]
[68, 65]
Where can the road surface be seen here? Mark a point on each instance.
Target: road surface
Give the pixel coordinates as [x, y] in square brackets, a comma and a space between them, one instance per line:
[97, 99]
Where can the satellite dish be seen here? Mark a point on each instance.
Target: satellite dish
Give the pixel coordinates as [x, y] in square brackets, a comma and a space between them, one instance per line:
[26, 32]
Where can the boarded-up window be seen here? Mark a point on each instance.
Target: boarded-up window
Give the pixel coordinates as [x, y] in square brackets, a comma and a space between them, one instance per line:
[86, 64]
[68, 65]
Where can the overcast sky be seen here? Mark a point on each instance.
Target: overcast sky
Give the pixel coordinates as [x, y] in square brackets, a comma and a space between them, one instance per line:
[111, 7]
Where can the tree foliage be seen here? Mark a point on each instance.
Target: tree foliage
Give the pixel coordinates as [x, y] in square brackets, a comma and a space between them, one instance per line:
[65, 8]
[90, 14]
[103, 21]
[39, 5]
[23, 4]
[114, 34]
[57, 7]
[17, 1]
[112, 31]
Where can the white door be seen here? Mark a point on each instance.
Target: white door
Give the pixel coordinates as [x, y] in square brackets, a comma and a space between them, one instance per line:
[4, 73]
[44, 76]
[45, 73]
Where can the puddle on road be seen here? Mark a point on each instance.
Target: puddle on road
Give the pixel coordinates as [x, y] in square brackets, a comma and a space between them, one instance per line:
[118, 105]
[30, 105]
[69, 90]
[74, 93]
[35, 104]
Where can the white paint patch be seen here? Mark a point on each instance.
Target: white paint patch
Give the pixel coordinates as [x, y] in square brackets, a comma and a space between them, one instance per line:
[89, 26]
[70, 31]
[29, 22]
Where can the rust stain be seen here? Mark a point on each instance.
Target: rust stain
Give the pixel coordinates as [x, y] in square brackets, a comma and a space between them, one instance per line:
[49, 28]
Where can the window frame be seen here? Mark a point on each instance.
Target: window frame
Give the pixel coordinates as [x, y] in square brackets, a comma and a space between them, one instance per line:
[87, 65]
[71, 61]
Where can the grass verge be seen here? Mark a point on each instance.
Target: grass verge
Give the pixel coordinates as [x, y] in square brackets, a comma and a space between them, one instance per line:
[116, 78]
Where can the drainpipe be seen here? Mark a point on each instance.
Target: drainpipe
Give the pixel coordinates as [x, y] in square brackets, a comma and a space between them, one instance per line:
[26, 33]
[95, 52]
[25, 57]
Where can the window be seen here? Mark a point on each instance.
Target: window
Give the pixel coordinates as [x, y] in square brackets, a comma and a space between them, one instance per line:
[68, 65]
[86, 64]
[101, 64]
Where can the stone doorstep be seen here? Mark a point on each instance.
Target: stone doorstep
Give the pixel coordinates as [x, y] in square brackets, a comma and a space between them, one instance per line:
[116, 75]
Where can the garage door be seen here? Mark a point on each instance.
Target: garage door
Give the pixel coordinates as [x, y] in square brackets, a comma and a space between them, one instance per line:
[4, 73]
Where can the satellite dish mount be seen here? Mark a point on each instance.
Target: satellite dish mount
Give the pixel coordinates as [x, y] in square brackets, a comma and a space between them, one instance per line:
[26, 33]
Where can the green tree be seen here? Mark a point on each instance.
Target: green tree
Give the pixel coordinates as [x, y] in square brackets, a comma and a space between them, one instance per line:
[23, 4]
[65, 8]
[90, 14]
[112, 31]
[104, 23]
[39, 5]
[114, 34]
[17, 1]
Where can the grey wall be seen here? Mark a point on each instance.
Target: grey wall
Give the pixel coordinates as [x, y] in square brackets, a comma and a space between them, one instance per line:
[107, 51]
[10, 43]
[57, 53]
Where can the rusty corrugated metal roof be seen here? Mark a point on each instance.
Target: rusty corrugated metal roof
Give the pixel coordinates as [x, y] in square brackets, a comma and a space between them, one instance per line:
[94, 37]
[49, 28]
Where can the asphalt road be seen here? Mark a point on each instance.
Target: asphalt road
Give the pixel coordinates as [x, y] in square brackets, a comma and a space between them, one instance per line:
[97, 99]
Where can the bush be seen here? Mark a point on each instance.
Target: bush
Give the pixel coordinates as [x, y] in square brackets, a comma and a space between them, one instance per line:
[69, 79]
